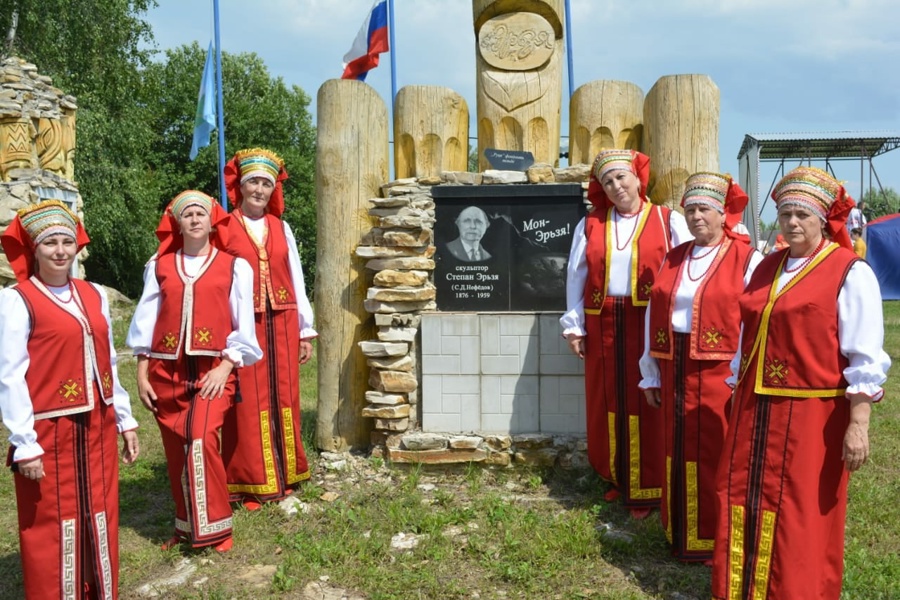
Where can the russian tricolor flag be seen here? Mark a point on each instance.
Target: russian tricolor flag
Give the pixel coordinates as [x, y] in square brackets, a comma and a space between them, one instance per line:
[371, 41]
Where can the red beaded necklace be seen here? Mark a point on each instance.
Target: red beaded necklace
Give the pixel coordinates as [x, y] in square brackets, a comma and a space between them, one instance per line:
[627, 217]
[205, 260]
[692, 258]
[806, 260]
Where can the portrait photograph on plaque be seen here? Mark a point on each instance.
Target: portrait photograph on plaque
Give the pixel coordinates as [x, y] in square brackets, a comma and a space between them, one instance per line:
[504, 248]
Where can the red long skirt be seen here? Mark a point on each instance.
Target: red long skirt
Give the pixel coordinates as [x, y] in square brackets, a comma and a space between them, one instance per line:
[695, 399]
[190, 426]
[624, 433]
[69, 519]
[782, 494]
[261, 440]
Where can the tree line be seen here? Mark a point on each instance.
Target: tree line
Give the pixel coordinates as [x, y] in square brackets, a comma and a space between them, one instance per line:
[135, 121]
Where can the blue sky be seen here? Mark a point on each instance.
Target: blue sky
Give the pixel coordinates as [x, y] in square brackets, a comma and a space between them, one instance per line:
[797, 66]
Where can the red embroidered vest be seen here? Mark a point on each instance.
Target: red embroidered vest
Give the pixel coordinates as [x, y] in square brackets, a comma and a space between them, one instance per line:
[716, 317]
[795, 332]
[194, 315]
[60, 373]
[649, 245]
[269, 259]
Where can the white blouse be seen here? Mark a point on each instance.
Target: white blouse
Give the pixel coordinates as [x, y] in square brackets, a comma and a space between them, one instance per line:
[620, 268]
[860, 330]
[257, 226]
[15, 399]
[241, 346]
[683, 305]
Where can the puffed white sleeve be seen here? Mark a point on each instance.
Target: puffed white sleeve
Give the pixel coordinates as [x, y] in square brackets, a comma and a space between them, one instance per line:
[241, 345]
[678, 229]
[755, 259]
[303, 305]
[576, 278]
[861, 332]
[125, 421]
[649, 365]
[15, 400]
[140, 332]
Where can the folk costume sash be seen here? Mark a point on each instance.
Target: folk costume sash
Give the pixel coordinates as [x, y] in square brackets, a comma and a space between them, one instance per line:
[716, 317]
[184, 324]
[269, 259]
[647, 253]
[804, 359]
[71, 343]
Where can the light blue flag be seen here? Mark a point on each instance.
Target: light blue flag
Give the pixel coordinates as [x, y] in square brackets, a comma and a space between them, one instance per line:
[205, 119]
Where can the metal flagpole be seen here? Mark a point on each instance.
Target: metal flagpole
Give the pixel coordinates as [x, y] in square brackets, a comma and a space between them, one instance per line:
[569, 50]
[393, 52]
[220, 109]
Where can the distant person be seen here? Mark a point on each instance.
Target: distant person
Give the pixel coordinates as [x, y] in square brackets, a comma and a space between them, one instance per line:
[859, 244]
[857, 219]
[616, 252]
[472, 223]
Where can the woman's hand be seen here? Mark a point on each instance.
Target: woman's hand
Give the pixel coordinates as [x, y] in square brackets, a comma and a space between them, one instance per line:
[212, 385]
[653, 397]
[145, 390]
[576, 345]
[33, 468]
[305, 351]
[856, 438]
[130, 448]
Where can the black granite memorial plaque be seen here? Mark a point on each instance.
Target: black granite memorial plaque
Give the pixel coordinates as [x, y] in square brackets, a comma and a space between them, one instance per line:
[504, 247]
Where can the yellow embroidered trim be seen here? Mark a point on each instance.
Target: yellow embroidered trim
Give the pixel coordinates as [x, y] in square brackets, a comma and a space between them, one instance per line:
[764, 559]
[669, 498]
[634, 463]
[694, 542]
[271, 485]
[736, 553]
[289, 444]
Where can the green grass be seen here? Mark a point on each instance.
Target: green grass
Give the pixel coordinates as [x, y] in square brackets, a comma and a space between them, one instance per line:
[505, 533]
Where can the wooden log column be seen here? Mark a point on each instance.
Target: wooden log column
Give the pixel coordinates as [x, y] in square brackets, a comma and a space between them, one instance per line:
[431, 131]
[518, 66]
[604, 114]
[351, 165]
[681, 133]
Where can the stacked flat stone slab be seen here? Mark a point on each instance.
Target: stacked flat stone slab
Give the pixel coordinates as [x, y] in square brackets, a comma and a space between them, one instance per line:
[37, 144]
[399, 249]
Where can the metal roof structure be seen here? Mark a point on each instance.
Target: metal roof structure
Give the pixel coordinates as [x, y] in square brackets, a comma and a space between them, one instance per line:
[832, 145]
[824, 146]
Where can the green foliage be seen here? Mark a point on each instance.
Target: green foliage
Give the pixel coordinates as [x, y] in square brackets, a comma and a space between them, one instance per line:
[260, 111]
[881, 202]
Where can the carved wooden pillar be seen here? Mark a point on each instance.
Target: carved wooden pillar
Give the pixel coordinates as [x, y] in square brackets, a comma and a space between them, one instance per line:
[431, 131]
[351, 167]
[681, 133]
[519, 76]
[17, 149]
[604, 114]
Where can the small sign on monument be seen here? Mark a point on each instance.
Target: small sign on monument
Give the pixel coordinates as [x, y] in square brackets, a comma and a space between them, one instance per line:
[509, 160]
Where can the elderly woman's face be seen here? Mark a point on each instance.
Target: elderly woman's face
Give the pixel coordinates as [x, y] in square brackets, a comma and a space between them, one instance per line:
[194, 222]
[54, 257]
[705, 223]
[256, 193]
[623, 188]
[801, 228]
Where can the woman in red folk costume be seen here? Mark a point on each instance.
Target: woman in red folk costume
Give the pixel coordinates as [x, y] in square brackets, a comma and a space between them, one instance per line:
[64, 407]
[262, 442]
[193, 325]
[693, 325]
[616, 251]
[809, 367]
